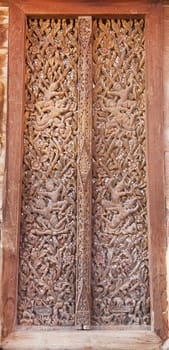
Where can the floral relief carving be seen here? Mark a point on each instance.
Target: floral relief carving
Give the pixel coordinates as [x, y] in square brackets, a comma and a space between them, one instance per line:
[120, 277]
[84, 242]
[84, 193]
[48, 226]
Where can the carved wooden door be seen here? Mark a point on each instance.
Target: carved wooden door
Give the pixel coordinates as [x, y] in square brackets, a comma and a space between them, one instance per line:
[83, 248]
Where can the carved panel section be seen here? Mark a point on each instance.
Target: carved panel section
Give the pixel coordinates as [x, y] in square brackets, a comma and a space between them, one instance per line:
[84, 196]
[120, 282]
[48, 228]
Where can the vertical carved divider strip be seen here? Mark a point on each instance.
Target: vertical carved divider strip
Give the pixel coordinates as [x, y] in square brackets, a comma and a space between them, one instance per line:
[84, 178]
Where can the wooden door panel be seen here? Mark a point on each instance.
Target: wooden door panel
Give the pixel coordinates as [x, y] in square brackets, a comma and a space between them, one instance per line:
[120, 273]
[48, 228]
[58, 128]
[152, 14]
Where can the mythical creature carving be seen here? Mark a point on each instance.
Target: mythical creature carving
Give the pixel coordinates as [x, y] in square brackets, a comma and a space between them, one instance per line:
[60, 155]
[120, 282]
[48, 228]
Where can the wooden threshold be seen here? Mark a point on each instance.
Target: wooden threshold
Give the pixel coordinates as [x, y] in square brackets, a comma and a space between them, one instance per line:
[23, 339]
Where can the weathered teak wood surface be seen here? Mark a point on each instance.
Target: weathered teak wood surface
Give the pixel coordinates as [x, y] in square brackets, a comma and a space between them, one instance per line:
[119, 174]
[11, 221]
[3, 115]
[155, 152]
[78, 340]
[84, 175]
[48, 223]
[155, 161]
[166, 120]
[50, 132]
[50, 128]
[4, 3]
[83, 7]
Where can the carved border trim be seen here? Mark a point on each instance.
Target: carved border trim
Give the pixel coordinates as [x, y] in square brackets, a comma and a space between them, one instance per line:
[84, 175]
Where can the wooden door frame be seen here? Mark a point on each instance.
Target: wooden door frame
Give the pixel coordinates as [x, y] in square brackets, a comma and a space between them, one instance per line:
[152, 11]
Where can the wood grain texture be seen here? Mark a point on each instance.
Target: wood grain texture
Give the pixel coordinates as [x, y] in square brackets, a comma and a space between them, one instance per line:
[166, 77]
[4, 3]
[155, 150]
[93, 340]
[11, 208]
[3, 116]
[166, 123]
[83, 7]
[167, 176]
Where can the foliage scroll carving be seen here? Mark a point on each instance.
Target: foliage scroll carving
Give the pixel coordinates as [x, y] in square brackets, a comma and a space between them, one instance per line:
[48, 228]
[83, 280]
[84, 169]
[120, 277]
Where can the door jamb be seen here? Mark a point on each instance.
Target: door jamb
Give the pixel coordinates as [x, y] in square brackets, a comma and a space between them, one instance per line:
[19, 9]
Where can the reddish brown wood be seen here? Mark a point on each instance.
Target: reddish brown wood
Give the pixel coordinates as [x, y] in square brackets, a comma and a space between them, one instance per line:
[3, 116]
[157, 239]
[4, 3]
[119, 225]
[83, 7]
[11, 212]
[155, 152]
[47, 200]
[166, 115]
[84, 175]
[166, 90]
